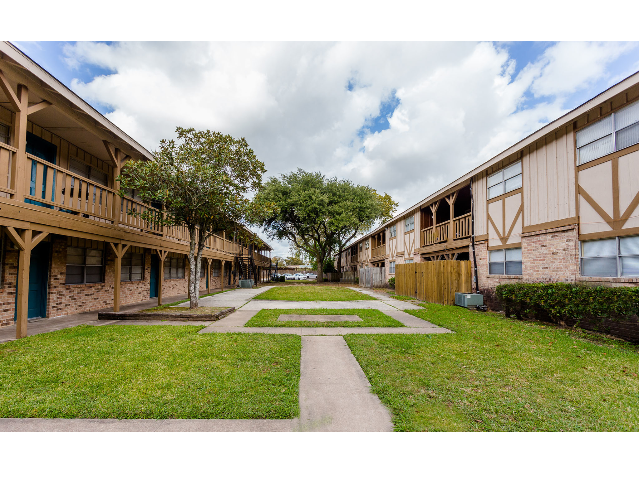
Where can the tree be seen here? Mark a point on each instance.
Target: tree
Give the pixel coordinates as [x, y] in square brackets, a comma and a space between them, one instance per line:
[370, 208]
[201, 180]
[316, 213]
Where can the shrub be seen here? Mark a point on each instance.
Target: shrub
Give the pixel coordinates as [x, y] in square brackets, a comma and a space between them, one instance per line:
[392, 282]
[560, 302]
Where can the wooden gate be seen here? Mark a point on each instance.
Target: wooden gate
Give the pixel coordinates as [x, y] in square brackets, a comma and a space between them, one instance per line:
[435, 282]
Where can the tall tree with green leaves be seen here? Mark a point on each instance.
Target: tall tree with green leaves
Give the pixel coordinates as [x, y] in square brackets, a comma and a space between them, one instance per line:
[316, 214]
[201, 179]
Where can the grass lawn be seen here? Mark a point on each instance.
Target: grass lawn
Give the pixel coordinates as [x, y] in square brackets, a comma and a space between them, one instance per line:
[497, 374]
[401, 297]
[370, 318]
[312, 293]
[150, 372]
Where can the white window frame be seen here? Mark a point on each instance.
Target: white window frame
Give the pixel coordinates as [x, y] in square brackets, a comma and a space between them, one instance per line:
[504, 260]
[619, 256]
[392, 268]
[408, 260]
[409, 223]
[604, 133]
[392, 231]
[500, 178]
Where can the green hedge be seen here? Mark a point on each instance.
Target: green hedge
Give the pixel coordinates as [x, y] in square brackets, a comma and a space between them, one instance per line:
[560, 302]
[392, 282]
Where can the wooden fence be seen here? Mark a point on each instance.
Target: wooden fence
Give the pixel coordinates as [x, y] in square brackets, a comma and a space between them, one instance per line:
[435, 282]
[372, 277]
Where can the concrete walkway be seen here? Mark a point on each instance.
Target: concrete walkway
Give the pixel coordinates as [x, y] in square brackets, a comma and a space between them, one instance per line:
[334, 394]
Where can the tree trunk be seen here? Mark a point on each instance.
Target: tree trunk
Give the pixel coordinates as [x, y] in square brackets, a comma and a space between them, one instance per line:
[201, 240]
[319, 269]
[339, 260]
[193, 290]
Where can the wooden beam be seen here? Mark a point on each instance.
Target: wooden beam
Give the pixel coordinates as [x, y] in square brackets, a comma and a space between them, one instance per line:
[8, 91]
[13, 235]
[222, 262]
[38, 106]
[22, 294]
[162, 254]
[119, 251]
[208, 275]
[19, 166]
[111, 151]
[38, 238]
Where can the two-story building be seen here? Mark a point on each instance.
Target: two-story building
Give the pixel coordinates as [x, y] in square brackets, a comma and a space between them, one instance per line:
[69, 242]
[559, 205]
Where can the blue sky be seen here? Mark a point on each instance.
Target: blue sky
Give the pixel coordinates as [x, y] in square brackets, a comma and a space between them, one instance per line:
[403, 117]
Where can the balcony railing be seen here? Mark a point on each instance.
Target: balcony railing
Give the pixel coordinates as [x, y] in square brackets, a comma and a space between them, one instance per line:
[7, 153]
[378, 251]
[53, 187]
[460, 228]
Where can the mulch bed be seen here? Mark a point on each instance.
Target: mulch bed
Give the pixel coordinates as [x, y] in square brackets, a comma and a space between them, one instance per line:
[165, 313]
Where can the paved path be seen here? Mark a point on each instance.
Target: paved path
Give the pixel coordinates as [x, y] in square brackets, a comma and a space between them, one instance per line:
[334, 392]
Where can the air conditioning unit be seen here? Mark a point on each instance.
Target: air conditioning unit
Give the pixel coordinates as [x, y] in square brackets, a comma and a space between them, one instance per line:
[469, 299]
[246, 283]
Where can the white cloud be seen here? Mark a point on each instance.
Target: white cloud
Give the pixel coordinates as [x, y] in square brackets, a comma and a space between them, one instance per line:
[459, 102]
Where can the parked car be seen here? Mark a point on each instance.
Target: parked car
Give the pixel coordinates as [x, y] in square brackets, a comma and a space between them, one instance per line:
[312, 276]
[288, 276]
[299, 276]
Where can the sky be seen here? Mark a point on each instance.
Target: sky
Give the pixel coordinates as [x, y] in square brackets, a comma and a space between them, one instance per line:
[405, 118]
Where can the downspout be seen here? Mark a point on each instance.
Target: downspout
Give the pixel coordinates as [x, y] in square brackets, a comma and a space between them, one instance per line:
[473, 238]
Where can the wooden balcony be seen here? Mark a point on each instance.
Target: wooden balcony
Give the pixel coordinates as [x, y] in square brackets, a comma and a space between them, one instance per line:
[459, 227]
[379, 251]
[50, 188]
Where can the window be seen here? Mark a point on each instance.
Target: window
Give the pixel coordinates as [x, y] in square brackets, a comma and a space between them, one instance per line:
[4, 133]
[132, 265]
[610, 257]
[408, 224]
[506, 180]
[505, 262]
[409, 260]
[392, 231]
[392, 267]
[174, 267]
[360, 246]
[85, 264]
[215, 268]
[610, 134]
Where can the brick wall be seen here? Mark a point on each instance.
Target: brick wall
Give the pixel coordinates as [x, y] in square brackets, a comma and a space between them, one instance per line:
[552, 256]
[65, 299]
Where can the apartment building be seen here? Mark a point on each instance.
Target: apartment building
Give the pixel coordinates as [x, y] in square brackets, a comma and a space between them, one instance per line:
[561, 205]
[69, 242]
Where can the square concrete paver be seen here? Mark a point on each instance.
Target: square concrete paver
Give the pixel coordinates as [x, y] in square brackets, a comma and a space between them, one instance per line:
[319, 318]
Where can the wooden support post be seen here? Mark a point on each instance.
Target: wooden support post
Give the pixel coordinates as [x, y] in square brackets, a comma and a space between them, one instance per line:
[208, 275]
[162, 254]
[119, 250]
[222, 276]
[19, 167]
[23, 242]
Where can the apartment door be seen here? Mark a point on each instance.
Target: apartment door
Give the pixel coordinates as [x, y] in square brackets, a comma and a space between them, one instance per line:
[153, 277]
[48, 152]
[38, 281]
